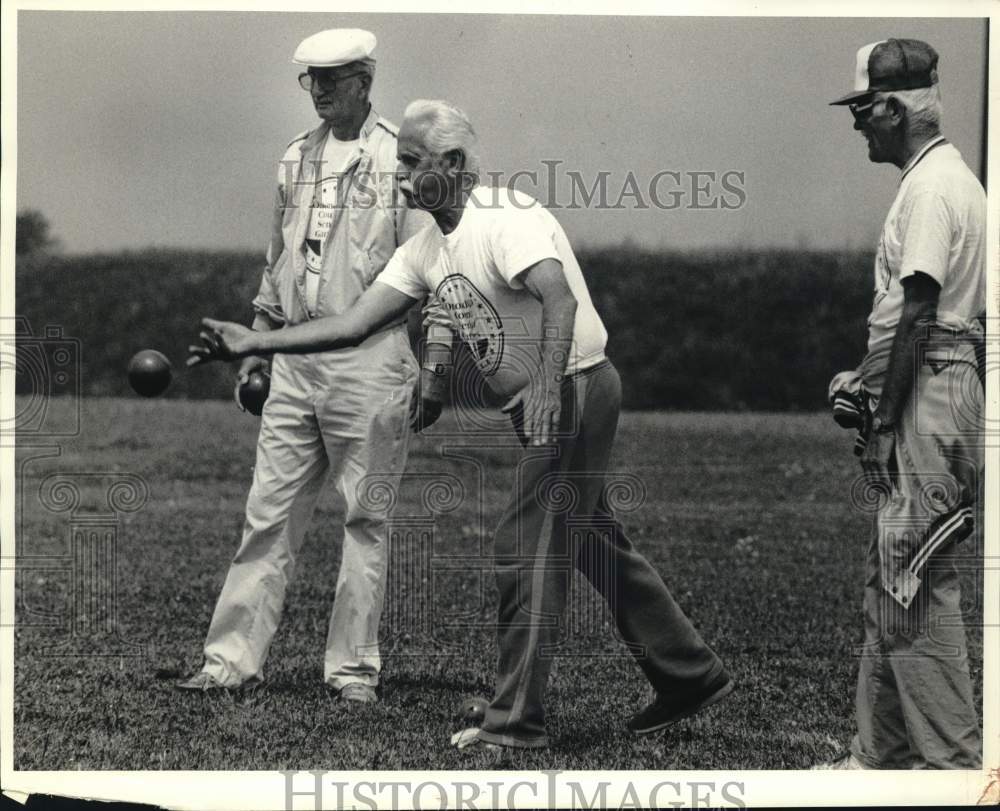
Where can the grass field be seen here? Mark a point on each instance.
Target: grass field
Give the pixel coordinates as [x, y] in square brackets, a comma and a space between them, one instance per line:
[747, 517]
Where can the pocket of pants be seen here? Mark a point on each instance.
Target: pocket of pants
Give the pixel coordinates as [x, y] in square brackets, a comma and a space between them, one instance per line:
[406, 359]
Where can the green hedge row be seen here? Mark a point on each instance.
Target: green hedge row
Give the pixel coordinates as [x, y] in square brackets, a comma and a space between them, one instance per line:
[736, 330]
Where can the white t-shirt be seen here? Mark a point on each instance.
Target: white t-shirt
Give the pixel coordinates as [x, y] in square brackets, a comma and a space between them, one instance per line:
[475, 271]
[936, 225]
[337, 156]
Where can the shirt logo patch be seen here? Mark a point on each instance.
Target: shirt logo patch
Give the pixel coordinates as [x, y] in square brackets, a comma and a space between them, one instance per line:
[476, 319]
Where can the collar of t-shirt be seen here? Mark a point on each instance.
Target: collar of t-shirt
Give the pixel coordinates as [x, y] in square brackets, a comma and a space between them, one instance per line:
[337, 155]
[477, 199]
[919, 156]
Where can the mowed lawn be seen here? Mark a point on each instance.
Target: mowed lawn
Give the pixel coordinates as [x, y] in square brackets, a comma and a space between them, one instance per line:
[748, 517]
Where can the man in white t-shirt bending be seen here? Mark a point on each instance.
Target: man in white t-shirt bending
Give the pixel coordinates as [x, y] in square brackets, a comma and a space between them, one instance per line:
[503, 270]
[924, 452]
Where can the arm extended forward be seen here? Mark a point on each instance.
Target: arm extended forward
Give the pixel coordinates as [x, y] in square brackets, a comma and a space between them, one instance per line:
[224, 340]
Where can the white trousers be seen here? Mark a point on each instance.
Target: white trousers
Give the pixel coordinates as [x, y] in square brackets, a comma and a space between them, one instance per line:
[344, 413]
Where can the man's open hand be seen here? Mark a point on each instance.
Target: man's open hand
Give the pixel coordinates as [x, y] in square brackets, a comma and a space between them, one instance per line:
[221, 340]
[541, 408]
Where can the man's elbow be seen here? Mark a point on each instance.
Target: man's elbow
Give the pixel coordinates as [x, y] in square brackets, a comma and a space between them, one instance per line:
[919, 316]
[349, 339]
[354, 333]
[568, 305]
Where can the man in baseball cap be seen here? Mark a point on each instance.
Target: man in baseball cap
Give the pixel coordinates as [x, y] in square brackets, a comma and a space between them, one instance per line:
[338, 219]
[923, 452]
[892, 64]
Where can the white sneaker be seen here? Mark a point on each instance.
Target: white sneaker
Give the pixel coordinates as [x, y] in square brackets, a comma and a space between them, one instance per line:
[466, 737]
[478, 752]
[844, 761]
[357, 693]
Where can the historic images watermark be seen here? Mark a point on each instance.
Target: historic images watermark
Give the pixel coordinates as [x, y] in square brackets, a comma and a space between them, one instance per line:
[46, 366]
[553, 185]
[320, 789]
[419, 614]
[69, 595]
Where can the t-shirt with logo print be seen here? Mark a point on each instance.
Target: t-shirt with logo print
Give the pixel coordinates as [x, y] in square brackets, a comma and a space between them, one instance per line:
[337, 156]
[476, 272]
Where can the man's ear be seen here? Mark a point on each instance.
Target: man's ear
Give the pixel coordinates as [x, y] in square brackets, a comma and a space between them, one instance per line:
[895, 109]
[454, 160]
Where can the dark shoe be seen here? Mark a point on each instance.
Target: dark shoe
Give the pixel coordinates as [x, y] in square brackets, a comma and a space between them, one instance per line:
[666, 710]
[203, 682]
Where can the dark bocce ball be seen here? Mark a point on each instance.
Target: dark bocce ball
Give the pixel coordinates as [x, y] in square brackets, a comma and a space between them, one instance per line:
[149, 373]
[254, 392]
[472, 711]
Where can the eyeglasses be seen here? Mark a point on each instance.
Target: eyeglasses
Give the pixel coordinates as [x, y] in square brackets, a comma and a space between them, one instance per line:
[308, 80]
[862, 112]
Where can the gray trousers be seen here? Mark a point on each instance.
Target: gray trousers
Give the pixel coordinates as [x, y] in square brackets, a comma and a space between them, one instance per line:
[559, 519]
[914, 696]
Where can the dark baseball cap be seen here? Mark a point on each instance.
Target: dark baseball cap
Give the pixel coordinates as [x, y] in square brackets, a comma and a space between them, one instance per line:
[892, 64]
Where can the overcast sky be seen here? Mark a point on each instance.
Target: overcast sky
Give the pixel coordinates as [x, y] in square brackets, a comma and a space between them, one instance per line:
[164, 128]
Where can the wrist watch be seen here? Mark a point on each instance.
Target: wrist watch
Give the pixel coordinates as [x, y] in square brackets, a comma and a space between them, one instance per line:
[437, 369]
[880, 426]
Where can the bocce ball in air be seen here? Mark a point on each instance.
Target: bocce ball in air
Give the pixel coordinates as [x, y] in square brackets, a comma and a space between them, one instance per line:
[149, 373]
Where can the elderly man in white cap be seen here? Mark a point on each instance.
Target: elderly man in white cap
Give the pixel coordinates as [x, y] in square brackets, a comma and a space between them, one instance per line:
[922, 413]
[337, 222]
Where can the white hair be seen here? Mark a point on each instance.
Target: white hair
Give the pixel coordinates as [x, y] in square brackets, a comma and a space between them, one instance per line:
[367, 65]
[923, 108]
[444, 127]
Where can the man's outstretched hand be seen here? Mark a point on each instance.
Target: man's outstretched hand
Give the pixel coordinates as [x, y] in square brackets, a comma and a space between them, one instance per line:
[221, 340]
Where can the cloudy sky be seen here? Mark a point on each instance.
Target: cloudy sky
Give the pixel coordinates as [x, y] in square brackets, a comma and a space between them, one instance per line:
[140, 129]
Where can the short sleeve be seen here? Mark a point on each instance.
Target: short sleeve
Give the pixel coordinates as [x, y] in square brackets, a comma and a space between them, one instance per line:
[288, 166]
[927, 235]
[403, 271]
[266, 302]
[520, 238]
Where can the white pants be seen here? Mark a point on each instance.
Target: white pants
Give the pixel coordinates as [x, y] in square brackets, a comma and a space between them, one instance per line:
[344, 412]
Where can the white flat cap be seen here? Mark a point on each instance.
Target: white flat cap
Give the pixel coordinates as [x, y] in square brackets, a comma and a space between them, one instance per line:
[338, 46]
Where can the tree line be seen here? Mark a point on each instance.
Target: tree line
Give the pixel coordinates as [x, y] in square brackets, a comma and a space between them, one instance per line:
[718, 330]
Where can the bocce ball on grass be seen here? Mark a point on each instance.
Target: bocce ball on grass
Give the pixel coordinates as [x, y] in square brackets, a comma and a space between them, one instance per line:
[471, 711]
[149, 373]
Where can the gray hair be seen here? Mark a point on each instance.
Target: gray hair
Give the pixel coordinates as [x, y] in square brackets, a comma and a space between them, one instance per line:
[923, 108]
[367, 65]
[444, 127]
